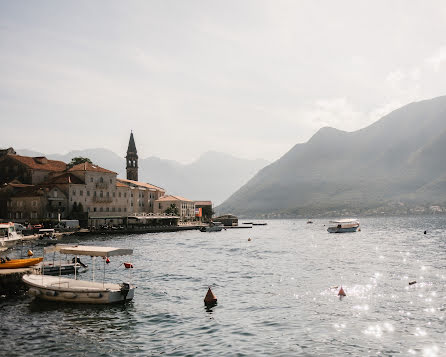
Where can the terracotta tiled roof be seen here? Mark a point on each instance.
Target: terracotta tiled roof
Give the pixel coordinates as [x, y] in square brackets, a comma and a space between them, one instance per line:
[203, 203]
[86, 166]
[32, 191]
[172, 198]
[40, 163]
[120, 184]
[64, 179]
[143, 184]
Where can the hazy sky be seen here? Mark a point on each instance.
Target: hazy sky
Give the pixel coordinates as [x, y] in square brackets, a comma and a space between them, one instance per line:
[249, 78]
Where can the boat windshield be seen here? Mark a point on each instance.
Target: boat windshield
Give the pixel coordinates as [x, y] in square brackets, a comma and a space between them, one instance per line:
[3, 232]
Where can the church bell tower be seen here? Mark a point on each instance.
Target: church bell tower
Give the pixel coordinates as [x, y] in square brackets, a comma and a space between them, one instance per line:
[132, 160]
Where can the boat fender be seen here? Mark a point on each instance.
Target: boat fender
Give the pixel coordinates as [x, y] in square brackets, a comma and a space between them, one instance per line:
[30, 253]
[51, 293]
[69, 295]
[34, 292]
[94, 295]
[341, 292]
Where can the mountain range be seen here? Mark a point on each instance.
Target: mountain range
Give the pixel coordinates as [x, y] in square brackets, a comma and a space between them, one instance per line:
[392, 166]
[213, 176]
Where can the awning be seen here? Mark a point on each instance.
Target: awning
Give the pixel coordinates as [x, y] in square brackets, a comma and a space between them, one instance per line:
[92, 251]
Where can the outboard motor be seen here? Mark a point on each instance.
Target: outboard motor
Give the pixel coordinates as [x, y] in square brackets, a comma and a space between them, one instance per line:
[125, 288]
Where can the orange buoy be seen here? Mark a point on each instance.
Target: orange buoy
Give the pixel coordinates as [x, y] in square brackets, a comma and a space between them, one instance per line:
[107, 260]
[210, 299]
[30, 253]
[341, 292]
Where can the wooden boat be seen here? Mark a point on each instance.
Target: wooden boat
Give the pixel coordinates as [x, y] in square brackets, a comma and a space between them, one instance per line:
[19, 263]
[57, 288]
[343, 226]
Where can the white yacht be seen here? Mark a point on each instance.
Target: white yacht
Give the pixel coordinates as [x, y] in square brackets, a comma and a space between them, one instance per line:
[9, 235]
[343, 226]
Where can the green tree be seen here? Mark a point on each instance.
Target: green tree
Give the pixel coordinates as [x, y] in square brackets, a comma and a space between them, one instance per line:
[172, 209]
[207, 212]
[78, 160]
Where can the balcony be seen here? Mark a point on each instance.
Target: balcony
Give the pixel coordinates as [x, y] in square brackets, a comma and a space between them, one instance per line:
[98, 199]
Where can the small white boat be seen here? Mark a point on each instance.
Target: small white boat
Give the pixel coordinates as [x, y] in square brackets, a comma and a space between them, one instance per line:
[57, 288]
[213, 227]
[343, 226]
[9, 235]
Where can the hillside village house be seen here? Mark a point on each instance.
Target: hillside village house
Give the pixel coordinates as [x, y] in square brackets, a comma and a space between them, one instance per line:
[35, 188]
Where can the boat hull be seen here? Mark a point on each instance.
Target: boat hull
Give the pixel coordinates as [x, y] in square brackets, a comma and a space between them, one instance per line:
[342, 230]
[58, 289]
[20, 263]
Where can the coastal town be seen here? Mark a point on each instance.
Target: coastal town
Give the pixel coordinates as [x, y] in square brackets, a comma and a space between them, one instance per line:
[36, 191]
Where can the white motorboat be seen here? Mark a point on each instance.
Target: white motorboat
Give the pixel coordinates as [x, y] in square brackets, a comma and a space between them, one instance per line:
[343, 226]
[57, 288]
[9, 235]
[213, 227]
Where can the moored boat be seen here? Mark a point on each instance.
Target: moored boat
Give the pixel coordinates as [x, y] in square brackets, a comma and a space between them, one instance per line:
[57, 288]
[9, 235]
[213, 227]
[18, 263]
[343, 226]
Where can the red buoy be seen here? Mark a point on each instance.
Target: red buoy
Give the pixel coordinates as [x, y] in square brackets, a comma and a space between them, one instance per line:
[210, 299]
[128, 265]
[341, 292]
[107, 260]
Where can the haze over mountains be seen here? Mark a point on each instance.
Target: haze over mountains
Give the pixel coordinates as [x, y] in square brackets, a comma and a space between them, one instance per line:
[390, 166]
[214, 176]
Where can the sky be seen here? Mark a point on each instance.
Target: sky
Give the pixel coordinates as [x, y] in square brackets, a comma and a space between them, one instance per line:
[247, 78]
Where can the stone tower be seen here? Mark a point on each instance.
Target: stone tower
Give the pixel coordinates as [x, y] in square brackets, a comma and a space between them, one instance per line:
[132, 160]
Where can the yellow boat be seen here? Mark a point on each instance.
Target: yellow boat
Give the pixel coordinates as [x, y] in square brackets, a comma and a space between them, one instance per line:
[19, 263]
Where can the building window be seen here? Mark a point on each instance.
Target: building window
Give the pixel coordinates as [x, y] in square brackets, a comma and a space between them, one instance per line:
[74, 192]
[114, 194]
[94, 193]
[131, 195]
[88, 209]
[101, 209]
[91, 179]
[81, 192]
[119, 194]
[55, 193]
[113, 209]
[125, 194]
[88, 193]
[94, 209]
[107, 209]
[108, 194]
[119, 209]
[101, 180]
[60, 203]
[34, 203]
[101, 194]
[111, 181]
[125, 209]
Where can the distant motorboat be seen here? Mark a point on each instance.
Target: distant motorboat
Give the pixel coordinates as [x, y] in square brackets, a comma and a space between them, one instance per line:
[18, 263]
[309, 221]
[213, 227]
[343, 226]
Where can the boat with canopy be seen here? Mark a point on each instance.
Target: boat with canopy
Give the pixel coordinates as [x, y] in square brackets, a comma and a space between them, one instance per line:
[343, 226]
[58, 288]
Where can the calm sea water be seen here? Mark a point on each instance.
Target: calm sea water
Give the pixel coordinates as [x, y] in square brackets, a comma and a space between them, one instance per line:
[275, 295]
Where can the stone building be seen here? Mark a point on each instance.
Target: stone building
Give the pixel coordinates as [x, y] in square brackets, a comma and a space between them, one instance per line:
[132, 160]
[186, 207]
[28, 170]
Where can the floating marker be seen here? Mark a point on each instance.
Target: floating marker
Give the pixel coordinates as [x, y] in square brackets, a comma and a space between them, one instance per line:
[30, 253]
[412, 282]
[128, 265]
[341, 292]
[210, 299]
[249, 239]
[425, 232]
[107, 260]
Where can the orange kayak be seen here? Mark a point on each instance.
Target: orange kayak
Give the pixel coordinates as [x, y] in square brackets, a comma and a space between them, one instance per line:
[19, 263]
